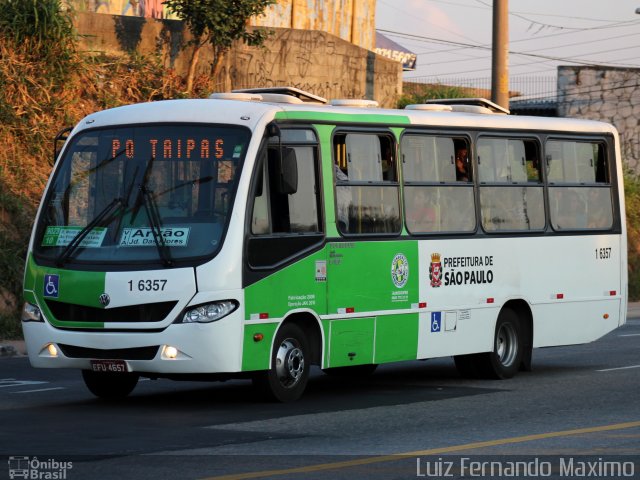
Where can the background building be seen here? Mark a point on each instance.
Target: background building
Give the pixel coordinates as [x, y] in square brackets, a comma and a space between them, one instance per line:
[350, 20]
[322, 46]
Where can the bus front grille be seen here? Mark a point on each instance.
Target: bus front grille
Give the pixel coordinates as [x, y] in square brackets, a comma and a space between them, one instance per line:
[140, 353]
[149, 312]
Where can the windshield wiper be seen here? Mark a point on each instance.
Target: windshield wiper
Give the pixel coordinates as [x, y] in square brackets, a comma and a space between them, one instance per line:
[127, 196]
[151, 208]
[145, 198]
[74, 244]
[140, 197]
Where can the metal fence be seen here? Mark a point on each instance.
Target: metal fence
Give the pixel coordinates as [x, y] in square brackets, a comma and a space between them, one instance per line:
[535, 88]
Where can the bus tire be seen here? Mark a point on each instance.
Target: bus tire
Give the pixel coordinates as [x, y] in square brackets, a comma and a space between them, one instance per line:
[109, 385]
[508, 348]
[357, 371]
[287, 378]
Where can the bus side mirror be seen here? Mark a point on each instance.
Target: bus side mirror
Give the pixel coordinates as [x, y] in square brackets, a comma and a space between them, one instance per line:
[58, 142]
[288, 173]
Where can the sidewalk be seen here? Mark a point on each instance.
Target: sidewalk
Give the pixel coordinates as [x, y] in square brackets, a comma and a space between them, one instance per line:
[12, 348]
[16, 348]
[633, 310]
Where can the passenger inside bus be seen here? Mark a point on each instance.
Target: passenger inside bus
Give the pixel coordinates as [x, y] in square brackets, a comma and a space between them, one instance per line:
[462, 162]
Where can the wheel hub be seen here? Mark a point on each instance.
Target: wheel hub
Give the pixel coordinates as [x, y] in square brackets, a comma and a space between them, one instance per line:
[289, 363]
[506, 344]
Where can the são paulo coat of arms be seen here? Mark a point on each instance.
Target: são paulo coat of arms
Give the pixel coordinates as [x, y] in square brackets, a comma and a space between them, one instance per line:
[435, 270]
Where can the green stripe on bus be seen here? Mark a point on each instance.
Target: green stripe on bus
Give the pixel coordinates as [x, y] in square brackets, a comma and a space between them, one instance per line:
[29, 296]
[301, 286]
[255, 354]
[324, 134]
[351, 342]
[396, 338]
[77, 287]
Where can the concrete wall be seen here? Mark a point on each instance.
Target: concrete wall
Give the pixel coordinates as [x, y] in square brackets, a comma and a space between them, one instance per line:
[311, 60]
[351, 20]
[319, 63]
[608, 94]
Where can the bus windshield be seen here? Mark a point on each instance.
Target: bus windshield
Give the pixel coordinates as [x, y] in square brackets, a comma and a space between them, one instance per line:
[148, 194]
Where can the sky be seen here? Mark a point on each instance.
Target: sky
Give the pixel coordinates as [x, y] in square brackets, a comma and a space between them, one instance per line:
[453, 38]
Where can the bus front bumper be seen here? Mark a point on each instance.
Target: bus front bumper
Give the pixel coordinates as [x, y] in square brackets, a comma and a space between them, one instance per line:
[180, 348]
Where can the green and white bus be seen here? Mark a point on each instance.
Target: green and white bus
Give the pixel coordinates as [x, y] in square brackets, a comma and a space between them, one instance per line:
[256, 233]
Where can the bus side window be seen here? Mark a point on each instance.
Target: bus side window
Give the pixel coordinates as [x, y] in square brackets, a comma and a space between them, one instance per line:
[277, 211]
[511, 190]
[438, 192]
[285, 201]
[260, 222]
[580, 191]
[367, 197]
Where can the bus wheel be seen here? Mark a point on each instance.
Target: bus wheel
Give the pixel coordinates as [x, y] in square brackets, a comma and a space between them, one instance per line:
[507, 353]
[110, 385]
[287, 378]
[352, 372]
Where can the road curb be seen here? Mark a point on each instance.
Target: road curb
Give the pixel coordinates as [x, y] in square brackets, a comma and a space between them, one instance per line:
[8, 351]
[12, 348]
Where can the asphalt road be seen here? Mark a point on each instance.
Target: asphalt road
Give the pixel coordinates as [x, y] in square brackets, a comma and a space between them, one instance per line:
[579, 408]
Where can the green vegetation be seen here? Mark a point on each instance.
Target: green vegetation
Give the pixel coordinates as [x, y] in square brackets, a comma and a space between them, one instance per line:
[218, 23]
[431, 92]
[41, 27]
[46, 85]
[632, 199]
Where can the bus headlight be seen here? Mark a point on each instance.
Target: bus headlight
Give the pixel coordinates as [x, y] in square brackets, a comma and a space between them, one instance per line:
[209, 312]
[31, 313]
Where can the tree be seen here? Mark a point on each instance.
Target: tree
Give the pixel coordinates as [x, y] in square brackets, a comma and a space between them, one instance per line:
[219, 23]
[432, 91]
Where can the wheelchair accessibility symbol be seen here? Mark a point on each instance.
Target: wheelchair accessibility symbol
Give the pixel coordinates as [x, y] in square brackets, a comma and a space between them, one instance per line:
[436, 321]
[51, 283]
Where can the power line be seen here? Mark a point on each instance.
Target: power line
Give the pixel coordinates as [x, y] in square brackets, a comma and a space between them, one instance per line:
[437, 52]
[437, 26]
[590, 41]
[511, 52]
[561, 27]
[573, 91]
[460, 46]
[486, 47]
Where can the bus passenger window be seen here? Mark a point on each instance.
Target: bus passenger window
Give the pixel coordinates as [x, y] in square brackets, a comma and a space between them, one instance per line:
[438, 193]
[511, 191]
[366, 186]
[576, 162]
[278, 211]
[579, 188]
[260, 218]
[463, 168]
[286, 215]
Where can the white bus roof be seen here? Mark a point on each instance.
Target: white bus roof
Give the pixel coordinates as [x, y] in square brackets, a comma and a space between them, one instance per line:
[249, 113]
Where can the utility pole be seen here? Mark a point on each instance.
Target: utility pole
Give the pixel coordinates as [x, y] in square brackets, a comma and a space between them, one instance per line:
[500, 54]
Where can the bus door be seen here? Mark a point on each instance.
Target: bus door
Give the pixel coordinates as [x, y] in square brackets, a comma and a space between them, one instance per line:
[369, 273]
[285, 236]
